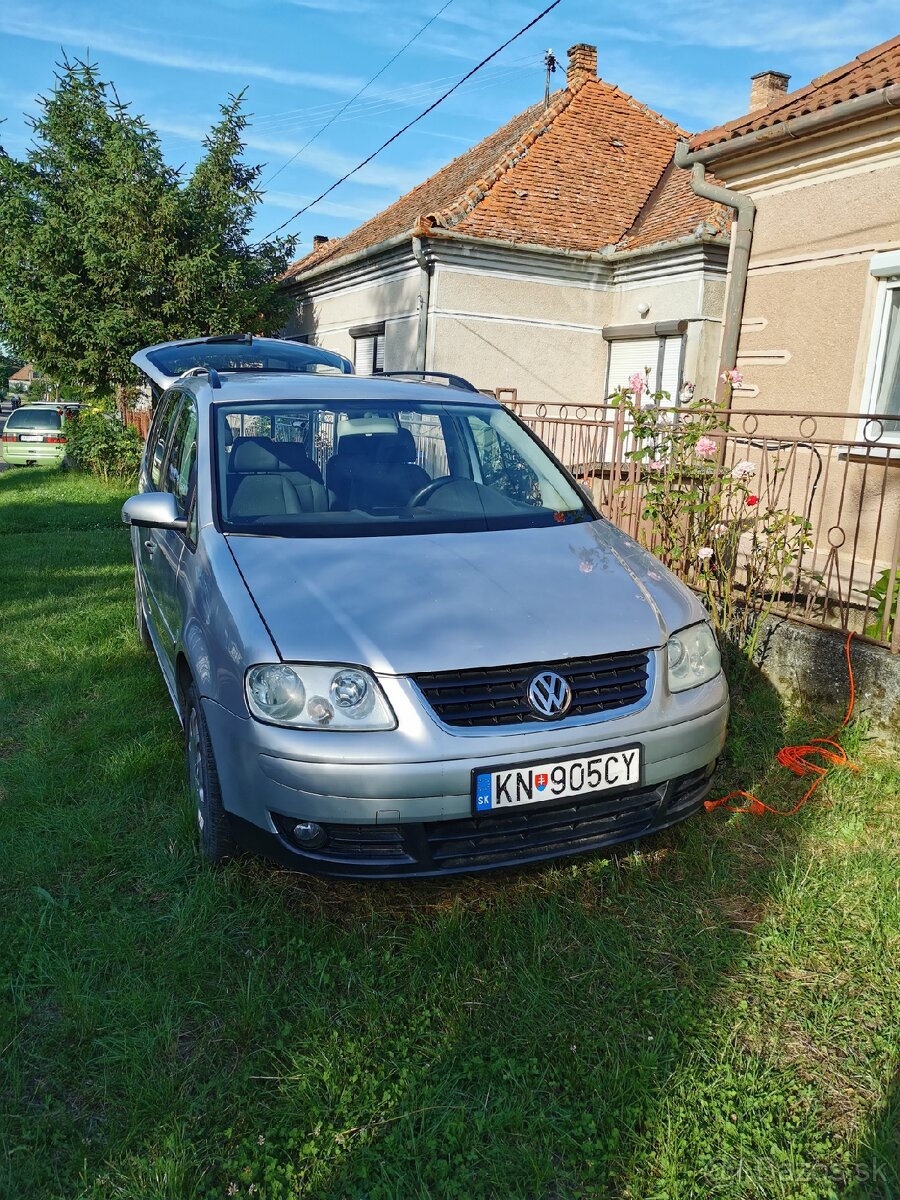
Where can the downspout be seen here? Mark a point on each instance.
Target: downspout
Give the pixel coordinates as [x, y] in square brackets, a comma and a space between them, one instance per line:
[742, 240]
[422, 302]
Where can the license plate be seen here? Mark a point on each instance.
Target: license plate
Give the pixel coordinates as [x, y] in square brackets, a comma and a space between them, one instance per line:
[560, 779]
[31, 437]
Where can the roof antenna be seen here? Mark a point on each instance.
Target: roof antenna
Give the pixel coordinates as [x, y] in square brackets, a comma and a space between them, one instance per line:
[551, 64]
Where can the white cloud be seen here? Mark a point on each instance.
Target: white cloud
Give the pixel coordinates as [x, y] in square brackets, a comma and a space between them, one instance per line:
[146, 48]
[802, 27]
[317, 157]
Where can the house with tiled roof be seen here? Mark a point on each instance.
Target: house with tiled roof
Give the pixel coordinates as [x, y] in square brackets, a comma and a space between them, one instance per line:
[21, 380]
[815, 304]
[556, 257]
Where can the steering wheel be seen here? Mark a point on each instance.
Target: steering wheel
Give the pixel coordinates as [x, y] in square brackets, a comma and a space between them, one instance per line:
[426, 492]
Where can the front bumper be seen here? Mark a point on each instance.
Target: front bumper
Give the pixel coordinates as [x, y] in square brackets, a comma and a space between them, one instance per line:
[387, 805]
[423, 849]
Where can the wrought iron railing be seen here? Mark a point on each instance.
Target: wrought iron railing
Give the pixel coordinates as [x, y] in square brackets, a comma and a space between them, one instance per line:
[839, 472]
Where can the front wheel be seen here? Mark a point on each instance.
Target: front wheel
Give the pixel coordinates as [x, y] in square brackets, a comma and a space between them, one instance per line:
[203, 782]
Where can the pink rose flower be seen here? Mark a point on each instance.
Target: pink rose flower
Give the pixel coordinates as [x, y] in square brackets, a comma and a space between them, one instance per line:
[706, 447]
[719, 530]
[733, 376]
[637, 383]
[657, 465]
[705, 553]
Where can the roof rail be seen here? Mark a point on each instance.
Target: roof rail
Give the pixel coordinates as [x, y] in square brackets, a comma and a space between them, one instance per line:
[214, 380]
[454, 381]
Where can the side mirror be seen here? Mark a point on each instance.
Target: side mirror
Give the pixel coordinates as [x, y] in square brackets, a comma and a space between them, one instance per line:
[153, 510]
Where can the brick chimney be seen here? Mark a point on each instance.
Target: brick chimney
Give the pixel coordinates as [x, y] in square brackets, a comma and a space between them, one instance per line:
[766, 87]
[582, 65]
[319, 239]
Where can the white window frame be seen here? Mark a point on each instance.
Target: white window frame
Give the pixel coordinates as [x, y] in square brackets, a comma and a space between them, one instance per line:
[886, 269]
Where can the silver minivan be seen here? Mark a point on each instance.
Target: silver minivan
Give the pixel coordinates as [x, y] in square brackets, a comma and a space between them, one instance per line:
[401, 639]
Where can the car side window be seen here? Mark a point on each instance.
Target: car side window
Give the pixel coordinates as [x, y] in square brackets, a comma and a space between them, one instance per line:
[181, 463]
[159, 438]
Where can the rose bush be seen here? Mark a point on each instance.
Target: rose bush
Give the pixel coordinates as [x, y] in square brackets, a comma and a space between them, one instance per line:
[719, 528]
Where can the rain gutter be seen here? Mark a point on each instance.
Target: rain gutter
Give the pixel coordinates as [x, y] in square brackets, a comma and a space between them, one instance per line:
[423, 301]
[823, 118]
[741, 241]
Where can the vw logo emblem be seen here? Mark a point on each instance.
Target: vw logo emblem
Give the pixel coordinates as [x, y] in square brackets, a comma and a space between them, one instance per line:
[549, 695]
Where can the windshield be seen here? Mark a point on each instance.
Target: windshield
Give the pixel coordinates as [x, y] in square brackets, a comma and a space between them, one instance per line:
[369, 468]
[258, 354]
[34, 418]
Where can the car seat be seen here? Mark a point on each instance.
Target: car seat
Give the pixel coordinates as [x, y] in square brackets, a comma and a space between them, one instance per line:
[375, 470]
[259, 485]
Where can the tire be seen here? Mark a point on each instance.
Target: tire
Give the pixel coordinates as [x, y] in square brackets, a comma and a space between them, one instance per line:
[213, 826]
[140, 619]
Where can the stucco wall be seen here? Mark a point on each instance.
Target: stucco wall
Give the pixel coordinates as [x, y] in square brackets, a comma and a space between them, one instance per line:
[805, 356]
[506, 330]
[810, 297]
[851, 210]
[329, 316]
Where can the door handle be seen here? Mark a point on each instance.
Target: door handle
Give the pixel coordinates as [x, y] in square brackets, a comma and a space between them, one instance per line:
[150, 546]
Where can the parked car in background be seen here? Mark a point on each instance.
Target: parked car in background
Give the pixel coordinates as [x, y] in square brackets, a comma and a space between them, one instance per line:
[35, 433]
[400, 638]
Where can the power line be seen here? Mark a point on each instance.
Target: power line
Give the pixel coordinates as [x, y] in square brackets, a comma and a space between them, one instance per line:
[415, 120]
[377, 108]
[364, 87]
[395, 96]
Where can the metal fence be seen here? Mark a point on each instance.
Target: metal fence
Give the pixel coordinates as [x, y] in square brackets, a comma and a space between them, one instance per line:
[841, 473]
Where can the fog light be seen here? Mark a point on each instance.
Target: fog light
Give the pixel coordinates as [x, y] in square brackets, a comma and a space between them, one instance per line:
[310, 835]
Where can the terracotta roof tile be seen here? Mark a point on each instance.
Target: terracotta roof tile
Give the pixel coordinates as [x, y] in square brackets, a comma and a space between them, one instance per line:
[673, 212]
[583, 182]
[868, 72]
[572, 177]
[440, 191]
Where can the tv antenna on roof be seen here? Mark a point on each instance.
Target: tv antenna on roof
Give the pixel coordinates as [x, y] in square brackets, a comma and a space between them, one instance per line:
[551, 64]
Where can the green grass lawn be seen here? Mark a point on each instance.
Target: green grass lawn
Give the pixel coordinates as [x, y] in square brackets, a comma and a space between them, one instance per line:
[713, 1012]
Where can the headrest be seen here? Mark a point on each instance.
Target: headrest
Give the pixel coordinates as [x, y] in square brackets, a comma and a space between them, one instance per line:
[293, 455]
[351, 426]
[253, 454]
[360, 445]
[397, 447]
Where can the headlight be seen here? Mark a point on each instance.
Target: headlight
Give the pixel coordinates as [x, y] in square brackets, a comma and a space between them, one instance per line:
[693, 658]
[312, 696]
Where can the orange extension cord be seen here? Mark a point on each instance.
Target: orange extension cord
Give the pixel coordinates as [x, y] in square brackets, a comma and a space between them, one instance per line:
[797, 759]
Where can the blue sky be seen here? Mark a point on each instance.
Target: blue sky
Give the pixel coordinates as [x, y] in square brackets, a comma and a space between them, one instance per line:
[301, 60]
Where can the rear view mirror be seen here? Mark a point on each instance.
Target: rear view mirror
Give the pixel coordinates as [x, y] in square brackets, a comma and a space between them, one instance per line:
[153, 510]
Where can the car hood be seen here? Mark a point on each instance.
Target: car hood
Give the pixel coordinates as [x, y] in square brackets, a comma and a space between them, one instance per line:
[443, 602]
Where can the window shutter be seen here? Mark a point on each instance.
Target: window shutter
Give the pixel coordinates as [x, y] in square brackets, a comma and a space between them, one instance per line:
[630, 356]
[671, 381]
[368, 354]
[363, 351]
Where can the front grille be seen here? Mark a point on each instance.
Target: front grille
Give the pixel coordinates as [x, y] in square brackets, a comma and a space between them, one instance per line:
[497, 695]
[504, 838]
